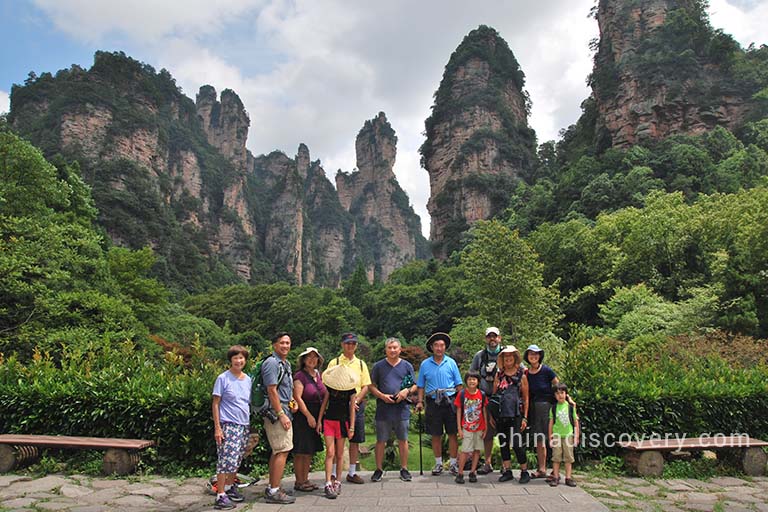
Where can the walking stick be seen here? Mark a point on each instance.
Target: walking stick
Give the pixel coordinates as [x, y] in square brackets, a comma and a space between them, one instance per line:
[421, 428]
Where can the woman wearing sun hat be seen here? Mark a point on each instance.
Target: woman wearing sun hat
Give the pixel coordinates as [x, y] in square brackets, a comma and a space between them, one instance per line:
[309, 392]
[337, 420]
[541, 379]
[511, 384]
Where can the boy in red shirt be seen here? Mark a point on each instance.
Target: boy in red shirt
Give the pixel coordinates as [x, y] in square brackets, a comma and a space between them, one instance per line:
[471, 413]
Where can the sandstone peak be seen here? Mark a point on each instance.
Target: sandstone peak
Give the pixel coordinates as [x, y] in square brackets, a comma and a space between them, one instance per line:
[225, 123]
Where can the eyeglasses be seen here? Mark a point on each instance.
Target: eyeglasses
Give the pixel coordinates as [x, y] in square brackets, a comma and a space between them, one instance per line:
[491, 335]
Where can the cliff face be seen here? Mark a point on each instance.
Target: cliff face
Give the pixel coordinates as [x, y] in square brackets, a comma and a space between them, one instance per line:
[388, 232]
[478, 140]
[176, 175]
[661, 70]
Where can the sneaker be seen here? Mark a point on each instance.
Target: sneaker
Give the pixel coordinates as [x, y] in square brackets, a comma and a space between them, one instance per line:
[454, 469]
[506, 476]
[485, 469]
[376, 477]
[570, 482]
[459, 478]
[437, 470]
[223, 503]
[234, 494]
[336, 486]
[280, 497]
[525, 477]
[405, 475]
[355, 479]
[472, 477]
[330, 493]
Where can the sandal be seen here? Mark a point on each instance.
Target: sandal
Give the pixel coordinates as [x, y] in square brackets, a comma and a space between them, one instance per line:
[570, 482]
[554, 482]
[550, 477]
[538, 474]
[304, 486]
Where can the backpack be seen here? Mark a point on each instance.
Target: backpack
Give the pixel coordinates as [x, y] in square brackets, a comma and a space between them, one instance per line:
[258, 389]
[509, 398]
[359, 360]
[571, 413]
[483, 369]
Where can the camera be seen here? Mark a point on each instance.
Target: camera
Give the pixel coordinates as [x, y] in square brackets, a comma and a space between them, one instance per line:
[270, 414]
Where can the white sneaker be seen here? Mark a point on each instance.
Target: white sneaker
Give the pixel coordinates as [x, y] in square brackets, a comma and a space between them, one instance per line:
[437, 470]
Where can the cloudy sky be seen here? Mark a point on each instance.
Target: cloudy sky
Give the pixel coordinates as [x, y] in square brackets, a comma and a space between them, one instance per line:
[313, 71]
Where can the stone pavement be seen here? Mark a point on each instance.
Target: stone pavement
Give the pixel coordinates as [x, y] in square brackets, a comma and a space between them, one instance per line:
[423, 494]
[720, 493]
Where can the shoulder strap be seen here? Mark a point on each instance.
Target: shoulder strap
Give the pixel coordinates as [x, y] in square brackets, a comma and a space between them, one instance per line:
[571, 412]
[461, 400]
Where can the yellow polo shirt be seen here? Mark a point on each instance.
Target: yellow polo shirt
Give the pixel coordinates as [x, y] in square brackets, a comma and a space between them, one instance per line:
[357, 365]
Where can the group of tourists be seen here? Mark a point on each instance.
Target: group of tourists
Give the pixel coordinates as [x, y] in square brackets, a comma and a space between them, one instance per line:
[309, 410]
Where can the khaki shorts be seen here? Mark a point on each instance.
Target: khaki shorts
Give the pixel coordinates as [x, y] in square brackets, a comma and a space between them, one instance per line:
[562, 449]
[280, 440]
[471, 442]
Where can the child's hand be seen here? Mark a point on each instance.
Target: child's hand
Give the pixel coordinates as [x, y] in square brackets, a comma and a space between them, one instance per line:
[461, 433]
[483, 433]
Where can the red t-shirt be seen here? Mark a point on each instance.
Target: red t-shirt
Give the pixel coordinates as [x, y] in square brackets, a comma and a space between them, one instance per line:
[473, 419]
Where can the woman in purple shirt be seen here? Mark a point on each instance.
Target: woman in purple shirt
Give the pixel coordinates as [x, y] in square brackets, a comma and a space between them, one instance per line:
[308, 391]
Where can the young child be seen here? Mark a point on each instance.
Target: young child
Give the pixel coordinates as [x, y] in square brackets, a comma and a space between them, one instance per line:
[336, 421]
[471, 413]
[563, 435]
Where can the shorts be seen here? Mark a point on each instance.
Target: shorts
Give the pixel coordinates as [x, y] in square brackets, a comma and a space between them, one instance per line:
[472, 441]
[359, 436]
[332, 428]
[384, 427]
[440, 416]
[230, 451]
[539, 426]
[562, 449]
[280, 440]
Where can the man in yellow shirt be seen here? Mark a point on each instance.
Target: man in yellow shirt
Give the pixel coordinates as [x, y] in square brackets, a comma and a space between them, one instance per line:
[347, 358]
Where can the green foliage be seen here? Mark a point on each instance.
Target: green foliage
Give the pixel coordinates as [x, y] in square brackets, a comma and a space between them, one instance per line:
[504, 280]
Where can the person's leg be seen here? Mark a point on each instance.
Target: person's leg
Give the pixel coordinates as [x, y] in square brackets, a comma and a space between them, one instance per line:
[453, 445]
[437, 446]
[488, 452]
[462, 460]
[401, 434]
[330, 454]
[504, 430]
[301, 468]
[541, 456]
[475, 461]
[379, 454]
[276, 468]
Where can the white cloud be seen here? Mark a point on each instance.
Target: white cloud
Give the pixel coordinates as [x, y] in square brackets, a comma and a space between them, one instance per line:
[5, 102]
[744, 20]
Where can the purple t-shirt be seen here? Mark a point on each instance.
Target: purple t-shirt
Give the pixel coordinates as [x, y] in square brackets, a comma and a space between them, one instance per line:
[235, 405]
[313, 391]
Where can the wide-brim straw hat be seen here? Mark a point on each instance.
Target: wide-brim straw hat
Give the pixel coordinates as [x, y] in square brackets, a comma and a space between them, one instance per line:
[340, 378]
[307, 351]
[438, 336]
[510, 349]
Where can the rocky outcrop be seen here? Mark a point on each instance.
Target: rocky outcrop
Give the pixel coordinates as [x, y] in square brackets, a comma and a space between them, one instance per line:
[176, 175]
[478, 140]
[388, 232]
[661, 70]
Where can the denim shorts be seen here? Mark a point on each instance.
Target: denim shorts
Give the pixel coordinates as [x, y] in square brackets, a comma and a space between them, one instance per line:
[384, 427]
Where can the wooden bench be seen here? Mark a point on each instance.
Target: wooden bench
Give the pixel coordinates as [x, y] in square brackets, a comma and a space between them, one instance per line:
[647, 457]
[121, 456]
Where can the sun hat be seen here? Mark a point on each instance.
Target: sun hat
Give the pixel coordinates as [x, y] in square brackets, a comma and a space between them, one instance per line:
[306, 352]
[534, 348]
[340, 378]
[510, 349]
[438, 336]
[492, 330]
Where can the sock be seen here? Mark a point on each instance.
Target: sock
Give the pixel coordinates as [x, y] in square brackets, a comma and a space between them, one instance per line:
[227, 487]
[333, 469]
[352, 469]
[221, 494]
[328, 483]
[438, 461]
[453, 461]
[274, 491]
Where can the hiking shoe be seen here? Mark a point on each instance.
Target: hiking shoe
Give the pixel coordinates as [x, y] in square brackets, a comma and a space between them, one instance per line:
[234, 494]
[330, 493]
[280, 497]
[437, 470]
[355, 479]
[459, 478]
[405, 475]
[525, 477]
[223, 503]
[336, 486]
[506, 476]
[472, 477]
[376, 476]
[570, 482]
[485, 469]
[454, 469]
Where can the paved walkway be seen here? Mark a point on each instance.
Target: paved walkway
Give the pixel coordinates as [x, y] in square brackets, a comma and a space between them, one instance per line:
[423, 494]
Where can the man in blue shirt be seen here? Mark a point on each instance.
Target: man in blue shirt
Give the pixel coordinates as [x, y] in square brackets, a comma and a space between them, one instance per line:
[392, 380]
[439, 381]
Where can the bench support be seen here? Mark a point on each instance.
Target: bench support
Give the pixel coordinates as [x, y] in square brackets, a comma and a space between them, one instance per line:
[753, 461]
[14, 457]
[119, 462]
[645, 463]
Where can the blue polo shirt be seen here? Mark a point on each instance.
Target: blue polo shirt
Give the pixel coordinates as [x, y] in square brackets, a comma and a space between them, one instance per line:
[433, 376]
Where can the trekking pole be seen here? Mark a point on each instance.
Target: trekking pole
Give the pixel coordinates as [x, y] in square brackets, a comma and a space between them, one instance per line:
[421, 428]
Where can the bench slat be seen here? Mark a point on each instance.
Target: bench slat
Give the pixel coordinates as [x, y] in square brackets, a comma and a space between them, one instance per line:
[76, 442]
[700, 443]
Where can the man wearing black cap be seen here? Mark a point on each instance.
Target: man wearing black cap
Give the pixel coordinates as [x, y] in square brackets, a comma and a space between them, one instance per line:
[347, 358]
[484, 363]
[439, 381]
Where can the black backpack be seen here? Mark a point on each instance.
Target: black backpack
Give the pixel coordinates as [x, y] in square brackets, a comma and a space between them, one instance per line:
[571, 413]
